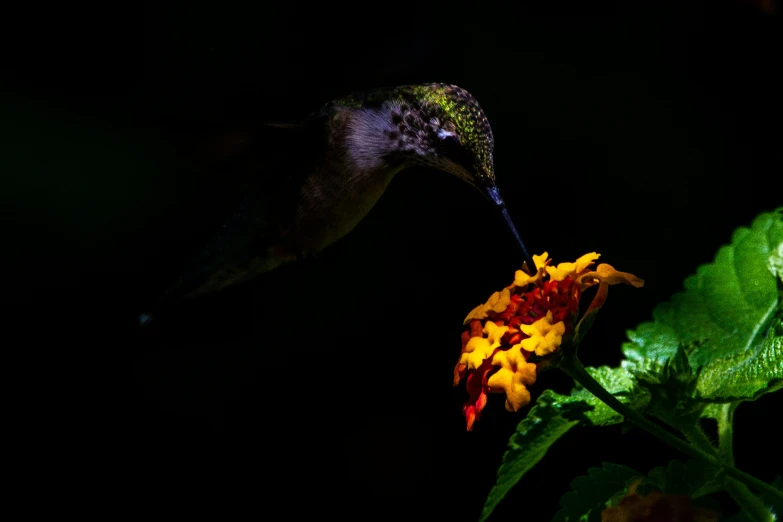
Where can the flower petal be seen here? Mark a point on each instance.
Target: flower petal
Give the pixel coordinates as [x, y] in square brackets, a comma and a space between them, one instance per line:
[607, 274]
[498, 301]
[545, 337]
[564, 270]
[522, 278]
[586, 260]
[513, 377]
[477, 313]
[480, 348]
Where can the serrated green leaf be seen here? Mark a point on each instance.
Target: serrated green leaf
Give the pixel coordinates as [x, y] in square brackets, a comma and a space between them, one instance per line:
[744, 376]
[723, 315]
[591, 493]
[652, 344]
[552, 417]
[546, 422]
[693, 479]
[618, 382]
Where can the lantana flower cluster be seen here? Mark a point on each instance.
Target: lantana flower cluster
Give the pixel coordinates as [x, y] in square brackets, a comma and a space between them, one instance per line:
[521, 328]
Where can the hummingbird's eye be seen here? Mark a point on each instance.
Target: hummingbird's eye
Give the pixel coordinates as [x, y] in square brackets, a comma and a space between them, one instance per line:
[449, 143]
[448, 138]
[451, 147]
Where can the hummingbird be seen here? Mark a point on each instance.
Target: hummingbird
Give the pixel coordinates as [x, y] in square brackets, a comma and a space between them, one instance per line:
[319, 178]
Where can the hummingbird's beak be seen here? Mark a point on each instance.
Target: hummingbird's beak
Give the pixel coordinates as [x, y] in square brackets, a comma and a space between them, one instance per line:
[494, 196]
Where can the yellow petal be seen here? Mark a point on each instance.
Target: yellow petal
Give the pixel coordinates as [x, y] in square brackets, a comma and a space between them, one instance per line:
[540, 261]
[530, 343]
[477, 313]
[558, 273]
[512, 357]
[586, 260]
[477, 349]
[564, 270]
[513, 377]
[522, 278]
[494, 332]
[607, 274]
[498, 302]
[566, 267]
[552, 340]
[480, 348]
[545, 337]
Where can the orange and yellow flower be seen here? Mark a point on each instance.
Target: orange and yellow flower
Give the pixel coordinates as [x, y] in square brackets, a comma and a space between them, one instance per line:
[511, 336]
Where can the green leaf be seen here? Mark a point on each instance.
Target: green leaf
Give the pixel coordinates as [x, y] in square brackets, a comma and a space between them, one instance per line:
[592, 492]
[693, 479]
[722, 319]
[546, 422]
[552, 417]
[672, 385]
[712, 411]
[618, 382]
[746, 376]
[605, 486]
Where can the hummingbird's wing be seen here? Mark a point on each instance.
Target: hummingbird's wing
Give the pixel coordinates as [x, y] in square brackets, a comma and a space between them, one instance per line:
[250, 242]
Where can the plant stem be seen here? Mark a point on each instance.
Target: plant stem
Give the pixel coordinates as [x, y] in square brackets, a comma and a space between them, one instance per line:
[726, 432]
[570, 365]
[750, 503]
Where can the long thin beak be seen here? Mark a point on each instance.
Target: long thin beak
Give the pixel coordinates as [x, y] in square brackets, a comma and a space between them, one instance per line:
[494, 196]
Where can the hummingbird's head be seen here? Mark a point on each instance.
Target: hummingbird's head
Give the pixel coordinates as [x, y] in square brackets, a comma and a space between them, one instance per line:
[436, 125]
[444, 127]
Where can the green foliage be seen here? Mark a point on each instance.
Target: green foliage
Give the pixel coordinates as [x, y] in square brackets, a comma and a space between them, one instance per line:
[591, 493]
[607, 485]
[747, 375]
[546, 422]
[617, 381]
[727, 320]
[693, 479]
[552, 417]
[712, 411]
[672, 385]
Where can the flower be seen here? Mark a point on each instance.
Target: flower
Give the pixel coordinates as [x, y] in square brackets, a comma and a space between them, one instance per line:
[521, 328]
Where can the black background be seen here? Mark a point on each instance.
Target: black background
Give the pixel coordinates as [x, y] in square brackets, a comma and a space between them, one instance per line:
[324, 388]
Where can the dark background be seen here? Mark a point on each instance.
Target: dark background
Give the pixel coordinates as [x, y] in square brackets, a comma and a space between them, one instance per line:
[324, 388]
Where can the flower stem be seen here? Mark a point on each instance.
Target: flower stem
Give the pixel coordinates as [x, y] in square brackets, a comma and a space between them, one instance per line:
[726, 432]
[570, 365]
[750, 503]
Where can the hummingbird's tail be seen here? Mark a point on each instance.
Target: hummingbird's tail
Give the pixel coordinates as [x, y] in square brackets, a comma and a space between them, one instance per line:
[155, 310]
[150, 316]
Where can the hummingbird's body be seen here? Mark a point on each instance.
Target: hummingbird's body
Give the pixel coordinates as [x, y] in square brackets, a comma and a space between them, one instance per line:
[321, 178]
